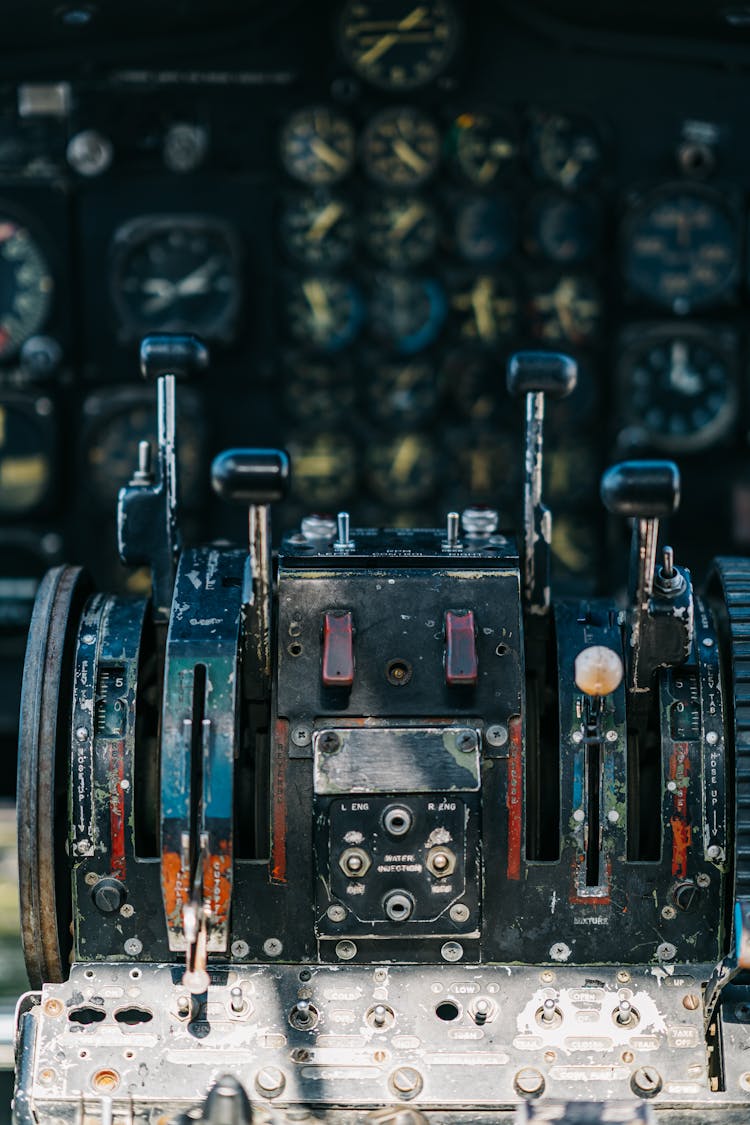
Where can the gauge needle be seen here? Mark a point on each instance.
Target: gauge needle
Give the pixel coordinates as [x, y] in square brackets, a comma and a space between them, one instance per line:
[681, 378]
[328, 155]
[324, 220]
[198, 281]
[407, 220]
[384, 44]
[409, 156]
[315, 295]
[481, 303]
[166, 292]
[406, 458]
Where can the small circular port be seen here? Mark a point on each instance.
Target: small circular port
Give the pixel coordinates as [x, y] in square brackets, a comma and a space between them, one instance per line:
[398, 906]
[397, 820]
[447, 1010]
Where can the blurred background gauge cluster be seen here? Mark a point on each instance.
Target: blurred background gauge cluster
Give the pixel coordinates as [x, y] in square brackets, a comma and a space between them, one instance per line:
[363, 208]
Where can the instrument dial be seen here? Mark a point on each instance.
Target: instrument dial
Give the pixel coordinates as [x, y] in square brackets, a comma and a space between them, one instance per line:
[565, 150]
[318, 389]
[401, 231]
[680, 389]
[324, 469]
[176, 273]
[485, 229]
[318, 146]
[401, 148]
[403, 470]
[407, 313]
[325, 313]
[318, 230]
[403, 392]
[26, 454]
[482, 147]
[682, 249]
[398, 44]
[565, 310]
[112, 447]
[26, 287]
[485, 309]
[564, 229]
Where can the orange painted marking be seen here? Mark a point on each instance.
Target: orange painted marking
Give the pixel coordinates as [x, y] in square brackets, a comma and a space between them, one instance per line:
[278, 801]
[514, 798]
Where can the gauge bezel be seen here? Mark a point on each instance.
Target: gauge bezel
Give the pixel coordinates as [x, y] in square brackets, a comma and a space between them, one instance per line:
[371, 126]
[505, 174]
[134, 233]
[299, 112]
[534, 115]
[11, 212]
[454, 43]
[638, 338]
[640, 202]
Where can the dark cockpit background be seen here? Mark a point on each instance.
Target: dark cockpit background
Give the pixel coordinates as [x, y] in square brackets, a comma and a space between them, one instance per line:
[363, 208]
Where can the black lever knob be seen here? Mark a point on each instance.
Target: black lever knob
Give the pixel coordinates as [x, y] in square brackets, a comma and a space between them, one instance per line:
[172, 354]
[647, 490]
[548, 373]
[251, 476]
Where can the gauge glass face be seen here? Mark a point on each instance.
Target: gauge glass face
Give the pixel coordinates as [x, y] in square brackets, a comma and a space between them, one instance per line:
[566, 310]
[112, 453]
[485, 229]
[681, 250]
[177, 275]
[401, 232]
[407, 313]
[25, 287]
[483, 148]
[324, 469]
[563, 229]
[401, 148]
[398, 44]
[325, 313]
[485, 309]
[318, 231]
[318, 146]
[25, 469]
[403, 392]
[682, 390]
[565, 150]
[316, 390]
[403, 470]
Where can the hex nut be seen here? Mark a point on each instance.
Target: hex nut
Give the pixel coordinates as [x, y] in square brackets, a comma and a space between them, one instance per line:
[355, 862]
[440, 862]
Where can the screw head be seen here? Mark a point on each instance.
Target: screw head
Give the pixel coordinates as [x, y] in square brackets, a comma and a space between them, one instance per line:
[559, 951]
[133, 947]
[611, 736]
[529, 1082]
[329, 742]
[108, 895]
[346, 950]
[301, 735]
[270, 1081]
[272, 947]
[452, 951]
[496, 735]
[646, 1081]
[466, 741]
[406, 1082]
[666, 951]
[240, 949]
[336, 912]
[459, 912]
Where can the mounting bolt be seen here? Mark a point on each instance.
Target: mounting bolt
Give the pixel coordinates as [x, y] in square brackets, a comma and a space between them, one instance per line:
[346, 950]
[133, 947]
[559, 951]
[646, 1081]
[529, 1082]
[301, 736]
[496, 735]
[466, 741]
[459, 912]
[270, 1081]
[240, 949]
[666, 951]
[336, 912]
[406, 1082]
[329, 742]
[452, 951]
[272, 947]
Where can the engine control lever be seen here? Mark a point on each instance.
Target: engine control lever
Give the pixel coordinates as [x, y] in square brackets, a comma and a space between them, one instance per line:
[147, 507]
[661, 612]
[538, 375]
[255, 478]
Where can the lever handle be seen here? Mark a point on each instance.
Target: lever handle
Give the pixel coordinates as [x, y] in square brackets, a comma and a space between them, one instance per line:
[251, 476]
[647, 490]
[172, 354]
[548, 373]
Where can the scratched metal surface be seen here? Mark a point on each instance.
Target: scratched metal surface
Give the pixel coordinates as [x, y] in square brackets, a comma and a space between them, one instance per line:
[167, 1063]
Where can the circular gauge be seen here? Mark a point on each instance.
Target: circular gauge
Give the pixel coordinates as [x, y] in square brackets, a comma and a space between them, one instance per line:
[324, 469]
[407, 313]
[112, 449]
[26, 454]
[318, 231]
[397, 44]
[403, 470]
[403, 392]
[324, 312]
[564, 229]
[25, 287]
[566, 150]
[316, 390]
[482, 147]
[401, 148]
[485, 309]
[485, 229]
[681, 249]
[565, 310]
[175, 273]
[476, 383]
[680, 389]
[401, 231]
[318, 146]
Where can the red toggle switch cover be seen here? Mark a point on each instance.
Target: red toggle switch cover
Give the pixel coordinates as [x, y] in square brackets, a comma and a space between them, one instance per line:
[338, 649]
[461, 664]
